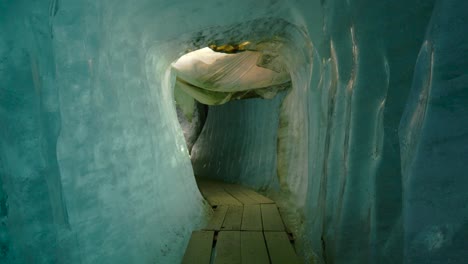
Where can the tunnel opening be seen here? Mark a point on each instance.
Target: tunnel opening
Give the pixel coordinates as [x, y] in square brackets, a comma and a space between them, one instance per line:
[278, 47]
[253, 137]
[214, 76]
[209, 80]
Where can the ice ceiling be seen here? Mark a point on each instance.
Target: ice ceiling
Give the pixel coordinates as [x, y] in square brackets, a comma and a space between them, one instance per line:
[214, 78]
[366, 139]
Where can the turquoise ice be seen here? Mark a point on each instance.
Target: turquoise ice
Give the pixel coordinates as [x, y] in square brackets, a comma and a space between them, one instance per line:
[369, 144]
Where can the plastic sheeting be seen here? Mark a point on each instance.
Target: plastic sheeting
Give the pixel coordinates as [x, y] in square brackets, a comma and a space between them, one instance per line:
[215, 78]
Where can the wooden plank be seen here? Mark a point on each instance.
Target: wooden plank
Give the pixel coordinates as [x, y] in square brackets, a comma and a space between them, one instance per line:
[228, 248]
[216, 195]
[210, 196]
[239, 195]
[216, 221]
[280, 249]
[271, 218]
[253, 248]
[254, 195]
[233, 219]
[227, 199]
[212, 186]
[199, 248]
[212, 199]
[247, 193]
[224, 198]
[252, 218]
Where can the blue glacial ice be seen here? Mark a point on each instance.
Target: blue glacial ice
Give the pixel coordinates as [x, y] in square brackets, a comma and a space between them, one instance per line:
[367, 145]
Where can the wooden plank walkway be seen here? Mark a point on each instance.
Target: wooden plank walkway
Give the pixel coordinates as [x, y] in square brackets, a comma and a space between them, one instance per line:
[246, 227]
[252, 218]
[199, 247]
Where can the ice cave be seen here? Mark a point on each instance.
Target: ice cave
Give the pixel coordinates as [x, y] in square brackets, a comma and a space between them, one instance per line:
[352, 116]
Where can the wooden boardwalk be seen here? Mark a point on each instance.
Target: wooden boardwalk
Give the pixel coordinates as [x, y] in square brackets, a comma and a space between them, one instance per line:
[246, 227]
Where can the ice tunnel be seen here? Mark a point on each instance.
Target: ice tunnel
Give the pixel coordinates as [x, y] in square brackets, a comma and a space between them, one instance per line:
[351, 115]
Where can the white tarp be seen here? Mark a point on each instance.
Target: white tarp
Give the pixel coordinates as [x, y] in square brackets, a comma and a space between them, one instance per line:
[215, 78]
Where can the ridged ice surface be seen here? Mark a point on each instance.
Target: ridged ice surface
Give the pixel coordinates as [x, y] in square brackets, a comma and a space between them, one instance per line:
[369, 145]
[434, 143]
[238, 143]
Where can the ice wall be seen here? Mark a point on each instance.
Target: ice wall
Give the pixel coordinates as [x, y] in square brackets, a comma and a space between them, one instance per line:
[370, 203]
[355, 188]
[239, 143]
[94, 164]
[94, 167]
[434, 140]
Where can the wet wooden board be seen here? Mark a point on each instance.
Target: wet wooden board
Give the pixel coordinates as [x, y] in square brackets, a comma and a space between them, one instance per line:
[280, 249]
[250, 227]
[253, 248]
[254, 195]
[237, 193]
[217, 196]
[213, 198]
[199, 248]
[271, 218]
[233, 219]
[252, 218]
[216, 221]
[228, 248]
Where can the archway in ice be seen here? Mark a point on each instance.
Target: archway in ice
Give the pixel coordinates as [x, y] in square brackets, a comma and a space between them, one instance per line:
[217, 75]
[260, 142]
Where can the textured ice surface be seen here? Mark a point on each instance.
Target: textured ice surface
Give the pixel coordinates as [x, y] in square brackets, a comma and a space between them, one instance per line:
[434, 140]
[238, 143]
[192, 125]
[94, 164]
[371, 141]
